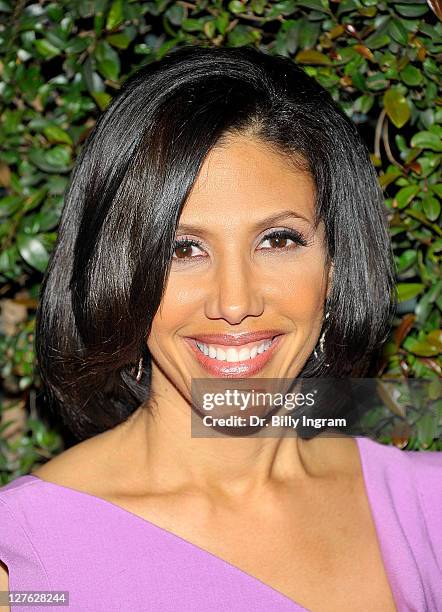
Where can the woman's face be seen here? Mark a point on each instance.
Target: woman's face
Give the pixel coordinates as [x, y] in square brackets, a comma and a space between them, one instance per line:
[247, 261]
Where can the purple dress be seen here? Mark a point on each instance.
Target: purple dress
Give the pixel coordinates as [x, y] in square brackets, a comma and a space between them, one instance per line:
[58, 539]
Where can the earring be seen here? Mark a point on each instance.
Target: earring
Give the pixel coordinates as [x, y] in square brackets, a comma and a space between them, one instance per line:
[140, 370]
[321, 341]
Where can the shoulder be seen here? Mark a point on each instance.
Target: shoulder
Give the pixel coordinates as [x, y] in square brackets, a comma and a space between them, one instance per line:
[423, 469]
[35, 508]
[423, 465]
[18, 550]
[410, 482]
[85, 467]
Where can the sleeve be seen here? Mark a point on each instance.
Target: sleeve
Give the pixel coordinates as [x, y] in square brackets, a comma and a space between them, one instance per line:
[427, 473]
[17, 552]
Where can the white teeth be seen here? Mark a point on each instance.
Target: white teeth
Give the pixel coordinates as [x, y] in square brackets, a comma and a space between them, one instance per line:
[243, 354]
[220, 354]
[232, 354]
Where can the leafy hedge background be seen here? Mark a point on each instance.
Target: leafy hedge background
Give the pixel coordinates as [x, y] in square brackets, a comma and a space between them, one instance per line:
[61, 63]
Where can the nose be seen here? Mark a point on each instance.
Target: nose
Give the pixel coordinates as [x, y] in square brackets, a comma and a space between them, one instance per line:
[234, 292]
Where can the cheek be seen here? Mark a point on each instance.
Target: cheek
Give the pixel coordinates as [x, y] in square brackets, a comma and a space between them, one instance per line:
[297, 288]
[301, 303]
[178, 305]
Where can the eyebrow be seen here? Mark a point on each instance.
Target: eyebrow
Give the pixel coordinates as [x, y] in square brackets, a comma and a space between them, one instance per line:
[271, 220]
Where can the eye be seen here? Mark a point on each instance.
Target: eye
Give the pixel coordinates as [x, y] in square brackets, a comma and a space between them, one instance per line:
[183, 249]
[279, 240]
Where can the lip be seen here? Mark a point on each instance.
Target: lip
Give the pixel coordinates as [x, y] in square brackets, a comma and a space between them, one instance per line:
[239, 369]
[237, 339]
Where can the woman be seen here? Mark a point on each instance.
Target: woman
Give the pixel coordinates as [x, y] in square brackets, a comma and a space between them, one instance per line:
[223, 222]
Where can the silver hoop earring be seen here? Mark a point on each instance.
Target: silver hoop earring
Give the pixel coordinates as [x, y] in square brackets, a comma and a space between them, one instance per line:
[321, 342]
[140, 370]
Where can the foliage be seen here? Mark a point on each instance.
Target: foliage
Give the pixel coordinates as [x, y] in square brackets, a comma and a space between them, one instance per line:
[61, 63]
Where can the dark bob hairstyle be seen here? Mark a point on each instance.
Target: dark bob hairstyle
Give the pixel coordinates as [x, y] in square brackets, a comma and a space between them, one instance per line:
[107, 275]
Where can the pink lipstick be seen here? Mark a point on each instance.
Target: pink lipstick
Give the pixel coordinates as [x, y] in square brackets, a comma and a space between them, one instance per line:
[234, 355]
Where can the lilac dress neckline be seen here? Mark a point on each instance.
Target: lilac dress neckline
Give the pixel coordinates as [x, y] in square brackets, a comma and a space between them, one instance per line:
[47, 527]
[386, 561]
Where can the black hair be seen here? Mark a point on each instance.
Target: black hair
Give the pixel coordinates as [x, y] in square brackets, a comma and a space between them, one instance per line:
[107, 274]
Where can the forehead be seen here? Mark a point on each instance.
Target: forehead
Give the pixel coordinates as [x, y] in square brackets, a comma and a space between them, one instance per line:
[244, 178]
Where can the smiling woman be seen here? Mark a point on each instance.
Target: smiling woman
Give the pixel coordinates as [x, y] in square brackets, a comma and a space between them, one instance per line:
[223, 222]
[162, 143]
[235, 262]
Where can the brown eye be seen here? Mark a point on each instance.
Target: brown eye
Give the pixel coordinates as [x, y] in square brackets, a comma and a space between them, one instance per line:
[183, 249]
[284, 239]
[278, 242]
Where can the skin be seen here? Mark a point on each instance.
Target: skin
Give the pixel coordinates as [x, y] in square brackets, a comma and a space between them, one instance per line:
[285, 510]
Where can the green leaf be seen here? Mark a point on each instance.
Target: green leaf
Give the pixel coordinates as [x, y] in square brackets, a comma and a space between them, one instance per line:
[396, 106]
[56, 159]
[425, 304]
[310, 56]
[437, 189]
[389, 177]
[435, 337]
[376, 41]
[426, 429]
[408, 291]
[364, 103]
[121, 40]
[222, 21]
[314, 5]
[195, 25]
[108, 61]
[9, 205]
[78, 45]
[46, 49]
[421, 348]
[431, 208]
[115, 16]
[398, 32]
[55, 134]
[377, 81]
[33, 251]
[411, 75]
[406, 260]
[427, 140]
[411, 10]
[308, 34]
[175, 14]
[35, 199]
[109, 69]
[235, 6]
[93, 80]
[405, 195]
[102, 99]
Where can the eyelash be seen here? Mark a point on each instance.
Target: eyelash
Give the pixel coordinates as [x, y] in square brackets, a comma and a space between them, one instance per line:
[294, 235]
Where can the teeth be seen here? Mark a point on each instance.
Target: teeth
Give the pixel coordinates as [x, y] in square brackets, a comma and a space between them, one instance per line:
[232, 354]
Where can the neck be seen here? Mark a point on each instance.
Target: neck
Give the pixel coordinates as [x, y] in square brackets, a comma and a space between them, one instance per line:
[164, 456]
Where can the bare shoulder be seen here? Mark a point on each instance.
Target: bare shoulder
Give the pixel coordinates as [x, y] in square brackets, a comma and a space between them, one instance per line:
[79, 467]
[97, 465]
